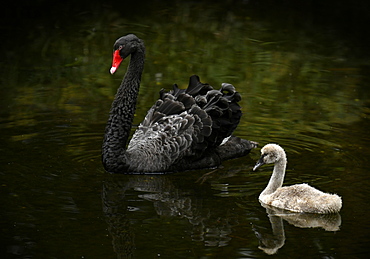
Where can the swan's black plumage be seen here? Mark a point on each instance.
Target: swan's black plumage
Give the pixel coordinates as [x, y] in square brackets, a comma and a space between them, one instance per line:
[183, 130]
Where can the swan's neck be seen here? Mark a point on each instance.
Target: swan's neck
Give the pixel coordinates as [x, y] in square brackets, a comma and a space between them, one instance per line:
[277, 177]
[122, 114]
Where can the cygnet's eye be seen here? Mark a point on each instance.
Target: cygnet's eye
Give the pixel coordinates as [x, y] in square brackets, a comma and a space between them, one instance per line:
[274, 157]
[265, 157]
[269, 158]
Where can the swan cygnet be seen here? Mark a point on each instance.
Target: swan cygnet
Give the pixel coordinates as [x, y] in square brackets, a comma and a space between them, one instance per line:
[298, 197]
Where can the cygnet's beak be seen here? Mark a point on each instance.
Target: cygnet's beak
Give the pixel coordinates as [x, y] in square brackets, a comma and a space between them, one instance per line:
[259, 163]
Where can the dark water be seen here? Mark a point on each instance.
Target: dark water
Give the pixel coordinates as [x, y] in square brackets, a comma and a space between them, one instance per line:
[304, 79]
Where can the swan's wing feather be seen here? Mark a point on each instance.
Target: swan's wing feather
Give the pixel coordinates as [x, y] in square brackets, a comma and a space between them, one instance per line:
[187, 100]
[169, 106]
[222, 105]
[184, 123]
[173, 128]
[195, 87]
[166, 141]
[163, 107]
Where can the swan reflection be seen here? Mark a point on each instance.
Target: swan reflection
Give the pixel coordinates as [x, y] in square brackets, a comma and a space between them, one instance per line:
[123, 195]
[271, 243]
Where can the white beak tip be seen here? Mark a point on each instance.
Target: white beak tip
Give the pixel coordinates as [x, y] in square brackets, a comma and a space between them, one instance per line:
[112, 70]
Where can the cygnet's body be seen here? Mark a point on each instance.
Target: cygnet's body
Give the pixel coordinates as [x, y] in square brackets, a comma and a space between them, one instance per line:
[297, 198]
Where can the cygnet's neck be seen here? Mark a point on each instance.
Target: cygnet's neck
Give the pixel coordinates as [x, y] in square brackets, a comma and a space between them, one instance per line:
[277, 177]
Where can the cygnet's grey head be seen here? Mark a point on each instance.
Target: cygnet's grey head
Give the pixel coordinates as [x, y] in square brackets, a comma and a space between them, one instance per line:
[270, 154]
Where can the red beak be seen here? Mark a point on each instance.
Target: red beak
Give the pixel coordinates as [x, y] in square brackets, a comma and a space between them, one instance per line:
[116, 61]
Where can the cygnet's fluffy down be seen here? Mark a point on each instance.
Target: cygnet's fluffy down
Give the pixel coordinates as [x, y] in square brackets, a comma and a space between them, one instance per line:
[297, 198]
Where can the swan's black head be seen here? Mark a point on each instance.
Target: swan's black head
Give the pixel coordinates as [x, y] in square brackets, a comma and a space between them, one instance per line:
[122, 48]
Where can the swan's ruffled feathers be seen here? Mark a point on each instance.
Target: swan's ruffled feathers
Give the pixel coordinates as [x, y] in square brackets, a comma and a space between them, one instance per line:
[225, 112]
[168, 139]
[186, 122]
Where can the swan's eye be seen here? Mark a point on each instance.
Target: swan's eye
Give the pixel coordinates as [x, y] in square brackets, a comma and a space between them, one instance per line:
[120, 47]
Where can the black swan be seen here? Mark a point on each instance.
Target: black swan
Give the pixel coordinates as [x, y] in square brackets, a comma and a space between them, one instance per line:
[185, 129]
[298, 197]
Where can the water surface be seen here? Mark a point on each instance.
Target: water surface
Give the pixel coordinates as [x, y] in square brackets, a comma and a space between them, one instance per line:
[304, 85]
